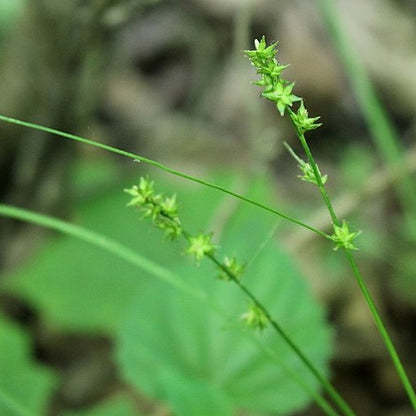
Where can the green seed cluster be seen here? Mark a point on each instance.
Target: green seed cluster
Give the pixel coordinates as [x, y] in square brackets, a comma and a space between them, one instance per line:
[277, 89]
[343, 238]
[233, 268]
[255, 317]
[162, 210]
[308, 175]
[201, 246]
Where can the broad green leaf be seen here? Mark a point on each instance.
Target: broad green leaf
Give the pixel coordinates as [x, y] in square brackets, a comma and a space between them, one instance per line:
[168, 333]
[25, 386]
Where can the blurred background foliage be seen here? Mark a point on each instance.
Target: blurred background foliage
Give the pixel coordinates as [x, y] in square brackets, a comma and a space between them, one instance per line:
[168, 80]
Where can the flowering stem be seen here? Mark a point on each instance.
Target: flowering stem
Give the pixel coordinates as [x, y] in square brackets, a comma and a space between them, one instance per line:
[163, 212]
[315, 169]
[277, 90]
[360, 281]
[343, 406]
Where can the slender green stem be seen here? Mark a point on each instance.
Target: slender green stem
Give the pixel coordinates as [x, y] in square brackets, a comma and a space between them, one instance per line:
[315, 169]
[343, 406]
[362, 285]
[382, 329]
[319, 400]
[162, 167]
[279, 91]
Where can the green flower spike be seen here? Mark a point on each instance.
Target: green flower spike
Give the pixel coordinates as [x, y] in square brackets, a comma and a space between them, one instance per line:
[162, 210]
[282, 96]
[255, 318]
[169, 207]
[343, 238]
[261, 56]
[236, 269]
[200, 246]
[168, 219]
[141, 194]
[172, 227]
[302, 121]
[306, 168]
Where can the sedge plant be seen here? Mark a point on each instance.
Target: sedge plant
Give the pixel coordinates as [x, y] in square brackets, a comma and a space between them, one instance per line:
[280, 91]
[164, 214]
